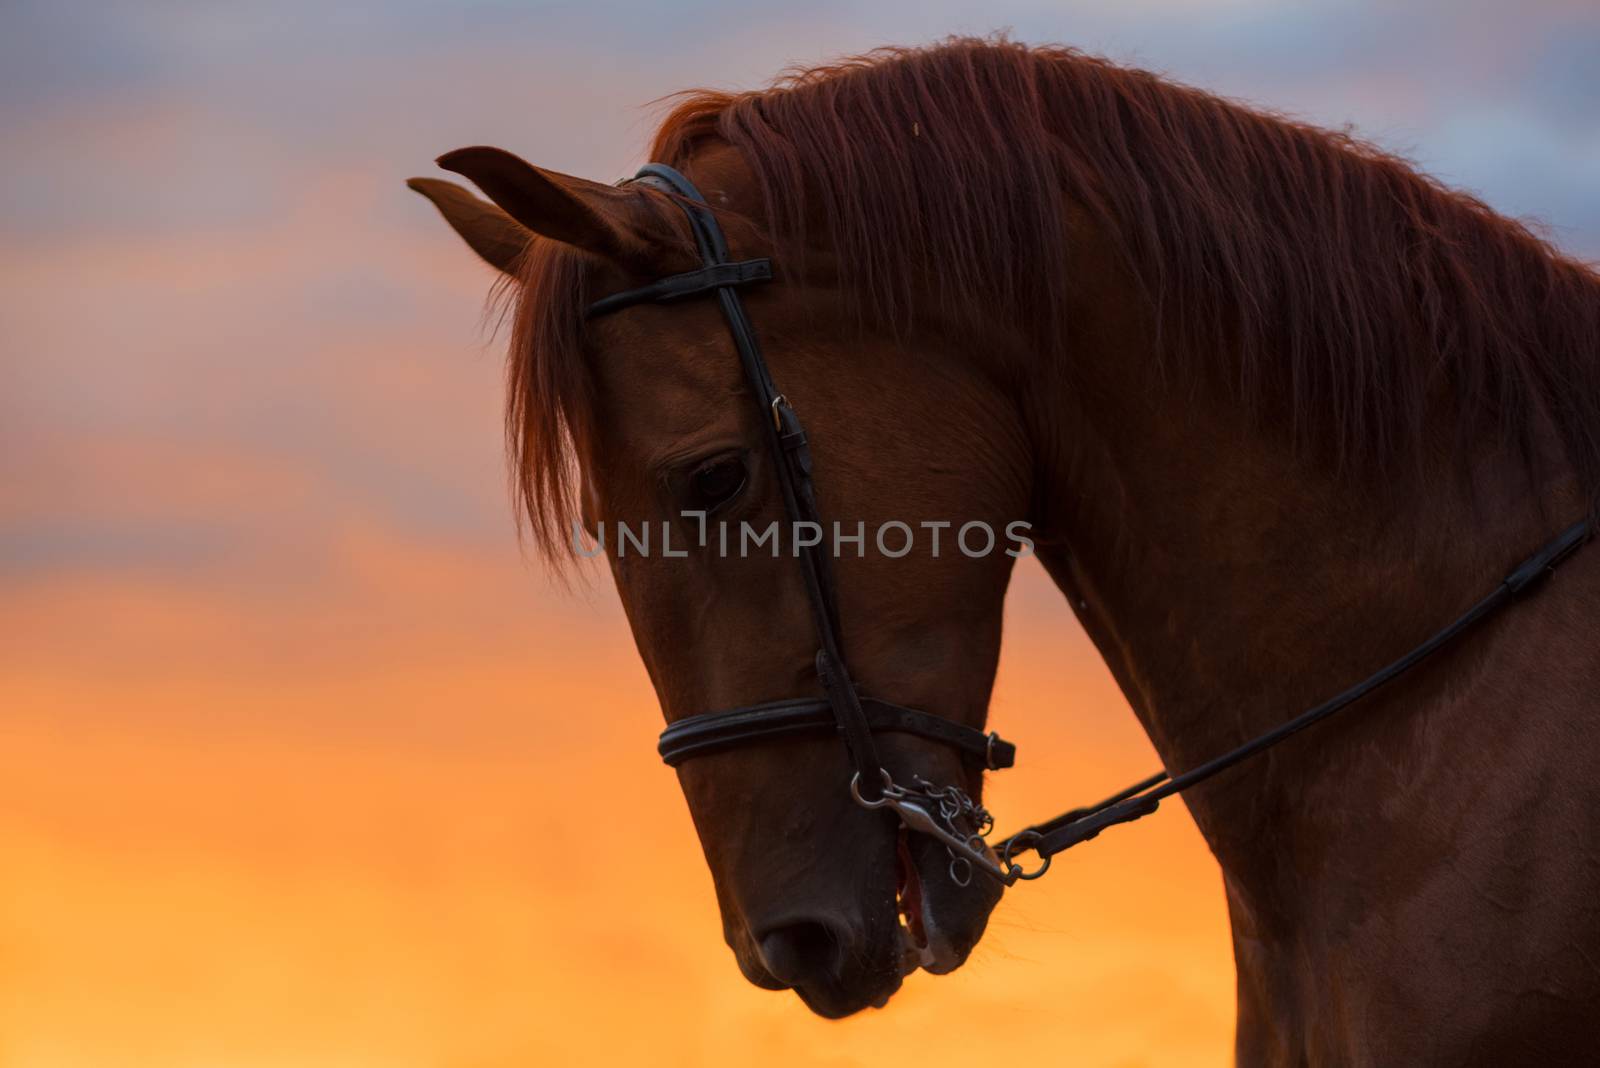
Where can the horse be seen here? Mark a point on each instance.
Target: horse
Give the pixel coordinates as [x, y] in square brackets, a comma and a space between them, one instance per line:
[1274, 405]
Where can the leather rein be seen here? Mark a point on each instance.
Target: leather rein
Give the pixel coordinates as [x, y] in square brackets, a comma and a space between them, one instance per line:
[945, 813]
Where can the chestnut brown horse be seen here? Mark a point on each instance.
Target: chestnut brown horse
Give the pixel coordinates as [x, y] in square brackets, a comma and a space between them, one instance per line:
[1276, 406]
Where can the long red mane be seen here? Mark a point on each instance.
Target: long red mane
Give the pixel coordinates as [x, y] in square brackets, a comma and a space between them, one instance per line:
[1325, 277]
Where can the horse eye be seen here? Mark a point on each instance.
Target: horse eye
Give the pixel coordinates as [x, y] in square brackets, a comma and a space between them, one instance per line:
[716, 482]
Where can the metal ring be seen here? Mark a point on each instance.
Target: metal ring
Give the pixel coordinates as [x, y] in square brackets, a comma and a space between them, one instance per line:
[776, 421]
[1029, 876]
[883, 799]
[1023, 840]
[1019, 841]
[988, 751]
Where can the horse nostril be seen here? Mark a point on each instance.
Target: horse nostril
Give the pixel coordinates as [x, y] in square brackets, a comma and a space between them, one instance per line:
[801, 952]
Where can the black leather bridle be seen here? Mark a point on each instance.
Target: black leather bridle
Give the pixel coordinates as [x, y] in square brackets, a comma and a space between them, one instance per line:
[945, 813]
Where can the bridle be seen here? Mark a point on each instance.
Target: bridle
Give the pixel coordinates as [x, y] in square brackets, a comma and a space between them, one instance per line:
[842, 710]
[944, 813]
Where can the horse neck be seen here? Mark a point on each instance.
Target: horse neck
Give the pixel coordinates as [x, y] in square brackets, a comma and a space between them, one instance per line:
[1230, 583]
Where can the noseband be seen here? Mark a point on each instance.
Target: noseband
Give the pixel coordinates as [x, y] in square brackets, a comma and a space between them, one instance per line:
[944, 813]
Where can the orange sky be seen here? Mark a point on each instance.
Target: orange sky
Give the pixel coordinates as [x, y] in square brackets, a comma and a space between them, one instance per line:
[301, 763]
[203, 870]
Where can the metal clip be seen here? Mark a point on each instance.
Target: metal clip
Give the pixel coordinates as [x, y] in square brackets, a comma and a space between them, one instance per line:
[972, 851]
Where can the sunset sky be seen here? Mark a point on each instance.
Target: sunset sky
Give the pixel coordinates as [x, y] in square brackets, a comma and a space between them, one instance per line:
[302, 763]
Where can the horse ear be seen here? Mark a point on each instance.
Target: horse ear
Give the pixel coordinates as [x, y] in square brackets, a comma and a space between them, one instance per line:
[597, 218]
[490, 232]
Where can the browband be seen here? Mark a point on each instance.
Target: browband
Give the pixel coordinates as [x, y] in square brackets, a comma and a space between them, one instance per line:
[687, 284]
[713, 732]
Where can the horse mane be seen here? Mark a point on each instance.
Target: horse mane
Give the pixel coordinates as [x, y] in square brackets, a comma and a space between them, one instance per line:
[1339, 286]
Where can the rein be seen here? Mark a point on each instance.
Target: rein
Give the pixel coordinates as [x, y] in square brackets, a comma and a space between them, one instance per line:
[1142, 798]
[944, 813]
